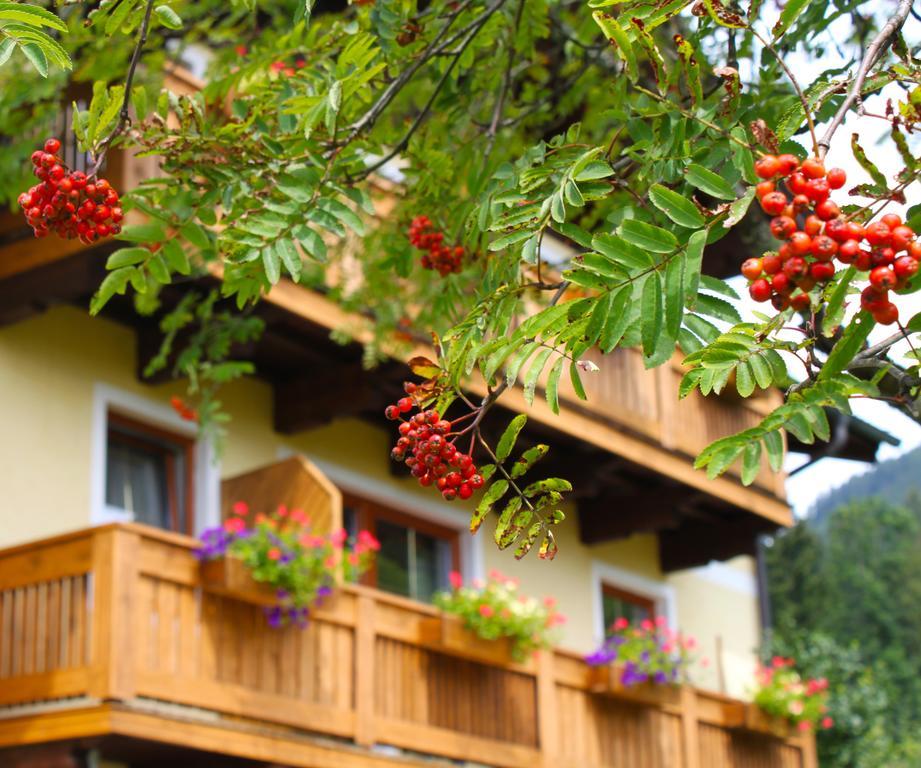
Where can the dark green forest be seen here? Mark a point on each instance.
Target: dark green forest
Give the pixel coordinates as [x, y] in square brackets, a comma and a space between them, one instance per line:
[845, 599]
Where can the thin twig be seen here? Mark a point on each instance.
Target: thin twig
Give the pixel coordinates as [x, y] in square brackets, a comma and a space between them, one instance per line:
[870, 57]
[124, 117]
[796, 87]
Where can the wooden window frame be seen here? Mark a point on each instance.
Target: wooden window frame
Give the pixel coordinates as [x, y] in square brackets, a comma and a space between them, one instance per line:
[370, 511]
[626, 596]
[158, 435]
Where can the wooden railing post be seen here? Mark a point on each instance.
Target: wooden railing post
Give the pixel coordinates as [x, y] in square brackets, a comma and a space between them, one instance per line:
[547, 722]
[808, 751]
[364, 671]
[690, 727]
[114, 582]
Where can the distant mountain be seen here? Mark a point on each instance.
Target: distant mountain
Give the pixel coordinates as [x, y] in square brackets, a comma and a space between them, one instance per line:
[892, 480]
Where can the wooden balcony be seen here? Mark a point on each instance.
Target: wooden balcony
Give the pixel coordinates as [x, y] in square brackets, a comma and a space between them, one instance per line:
[108, 638]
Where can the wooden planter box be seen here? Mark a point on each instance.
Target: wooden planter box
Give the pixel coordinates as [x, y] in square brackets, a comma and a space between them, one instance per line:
[605, 680]
[750, 718]
[228, 576]
[448, 634]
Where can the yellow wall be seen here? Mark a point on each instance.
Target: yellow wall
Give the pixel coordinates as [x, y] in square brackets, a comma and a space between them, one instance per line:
[50, 364]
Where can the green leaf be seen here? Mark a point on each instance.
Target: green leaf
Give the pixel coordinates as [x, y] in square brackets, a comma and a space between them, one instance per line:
[773, 442]
[648, 236]
[149, 232]
[739, 208]
[507, 441]
[7, 46]
[115, 282]
[617, 321]
[553, 386]
[37, 57]
[176, 257]
[195, 234]
[528, 459]
[271, 262]
[693, 266]
[651, 313]
[577, 381]
[791, 10]
[677, 207]
[751, 462]
[31, 14]
[848, 345]
[557, 484]
[709, 182]
[290, 258]
[745, 381]
[674, 295]
[612, 30]
[530, 380]
[126, 257]
[495, 492]
[168, 17]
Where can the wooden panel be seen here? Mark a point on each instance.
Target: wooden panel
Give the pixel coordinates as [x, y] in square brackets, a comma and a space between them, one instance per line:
[294, 483]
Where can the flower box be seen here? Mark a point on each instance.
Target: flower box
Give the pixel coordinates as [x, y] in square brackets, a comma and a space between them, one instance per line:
[229, 576]
[605, 680]
[448, 634]
[752, 719]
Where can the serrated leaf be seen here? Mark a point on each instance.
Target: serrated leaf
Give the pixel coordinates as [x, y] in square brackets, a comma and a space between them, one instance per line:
[677, 207]
[528, 459]
[648, 236]
[290, 258]
[509, 436]
[271, 263]
[791, 10]
[35, 55]
[617, 321]
[708, 181]
[751, 462]
[31, 14]
[615, 33]
[493, 493]
[149, 232]
[553, 386]
[739, 208]
[126, 257]
[176, 257]
[848, 345]
[651, 312]
[530, 380]
[773, 442]
[745, 381]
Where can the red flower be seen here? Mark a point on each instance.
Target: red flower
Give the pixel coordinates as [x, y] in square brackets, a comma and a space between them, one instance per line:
[457, 581]
[486, 611]
[827, 722]
[240, 508]
[620, 624]
[234, 524]
[274, 553]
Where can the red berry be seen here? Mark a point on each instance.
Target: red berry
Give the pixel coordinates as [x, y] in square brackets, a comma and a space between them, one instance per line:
[901, 237]
[887, 314]
[392, 412]
[774, 203]
[821, 271]
[824, 248]
[827, 210]
[836, 178]
[405, 404]
[795, 267]
[813, 168]
[771, 263]
[800, 302]
[760, 290]
[752, 268]
[781, 283]
[764, 188]
[788, 163]
[782, 227]
[767, 167]
[878, 233]
[848, 251]
[905, 266]
[892, 220]
[818, 190]
[800, 242]
[883, 278]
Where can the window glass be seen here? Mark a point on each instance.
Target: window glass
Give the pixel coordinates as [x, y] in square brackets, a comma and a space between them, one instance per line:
[393, 567]
[148, 474]
[620, 604]
[432, 558]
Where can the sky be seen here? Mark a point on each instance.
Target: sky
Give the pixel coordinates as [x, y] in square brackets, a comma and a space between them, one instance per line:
[805, 487]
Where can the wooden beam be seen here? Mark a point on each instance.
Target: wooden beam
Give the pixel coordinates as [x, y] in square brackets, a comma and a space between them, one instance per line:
[617, 516]
[696, 543]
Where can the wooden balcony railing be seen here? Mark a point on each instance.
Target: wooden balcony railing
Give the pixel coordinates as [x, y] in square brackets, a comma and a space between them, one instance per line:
[119, 614]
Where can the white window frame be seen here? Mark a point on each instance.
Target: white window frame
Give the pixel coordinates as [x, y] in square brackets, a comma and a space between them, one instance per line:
[662, 594]
[207, 473]
[440, 513]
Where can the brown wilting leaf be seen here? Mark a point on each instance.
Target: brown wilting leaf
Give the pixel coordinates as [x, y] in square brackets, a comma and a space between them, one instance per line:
[764, 135]
[719, 13]
[732, 84]
[423, 367]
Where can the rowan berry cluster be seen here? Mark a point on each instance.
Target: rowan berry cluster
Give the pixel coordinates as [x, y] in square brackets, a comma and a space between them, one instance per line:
[442, 258]
[815, 234]
[69, 203]
[426, 448]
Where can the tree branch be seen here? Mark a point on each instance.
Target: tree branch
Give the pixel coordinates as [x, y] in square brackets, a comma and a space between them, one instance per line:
[870, 57]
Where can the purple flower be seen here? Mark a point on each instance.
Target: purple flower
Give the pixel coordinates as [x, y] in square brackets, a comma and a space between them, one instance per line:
[602, 656]
[281, 594]
[324, 590]
[660, 677]
[274, 616]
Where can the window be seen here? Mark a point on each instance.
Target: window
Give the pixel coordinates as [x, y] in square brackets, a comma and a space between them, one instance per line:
[149, 473]
[617, 603]
[416, 555]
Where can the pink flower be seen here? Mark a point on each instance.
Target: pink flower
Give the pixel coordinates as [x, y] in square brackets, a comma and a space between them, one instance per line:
[550, 602]
[486, 611]
[827, 722]
[777, 662]
[660, 621]
[690, 643]
[241, 50]
[329, 562]
[667, 648]
[456, 580]
[367, 540]
[620, 624]
[240, 508]
[234, 524]
[795, 707]
[298, 516]
[338, 537]
[310, 541]
[282, 511]
[804, 727]
[647, 625]
[274, 553]
[555, 618]
[353, 558]
[277, 66]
